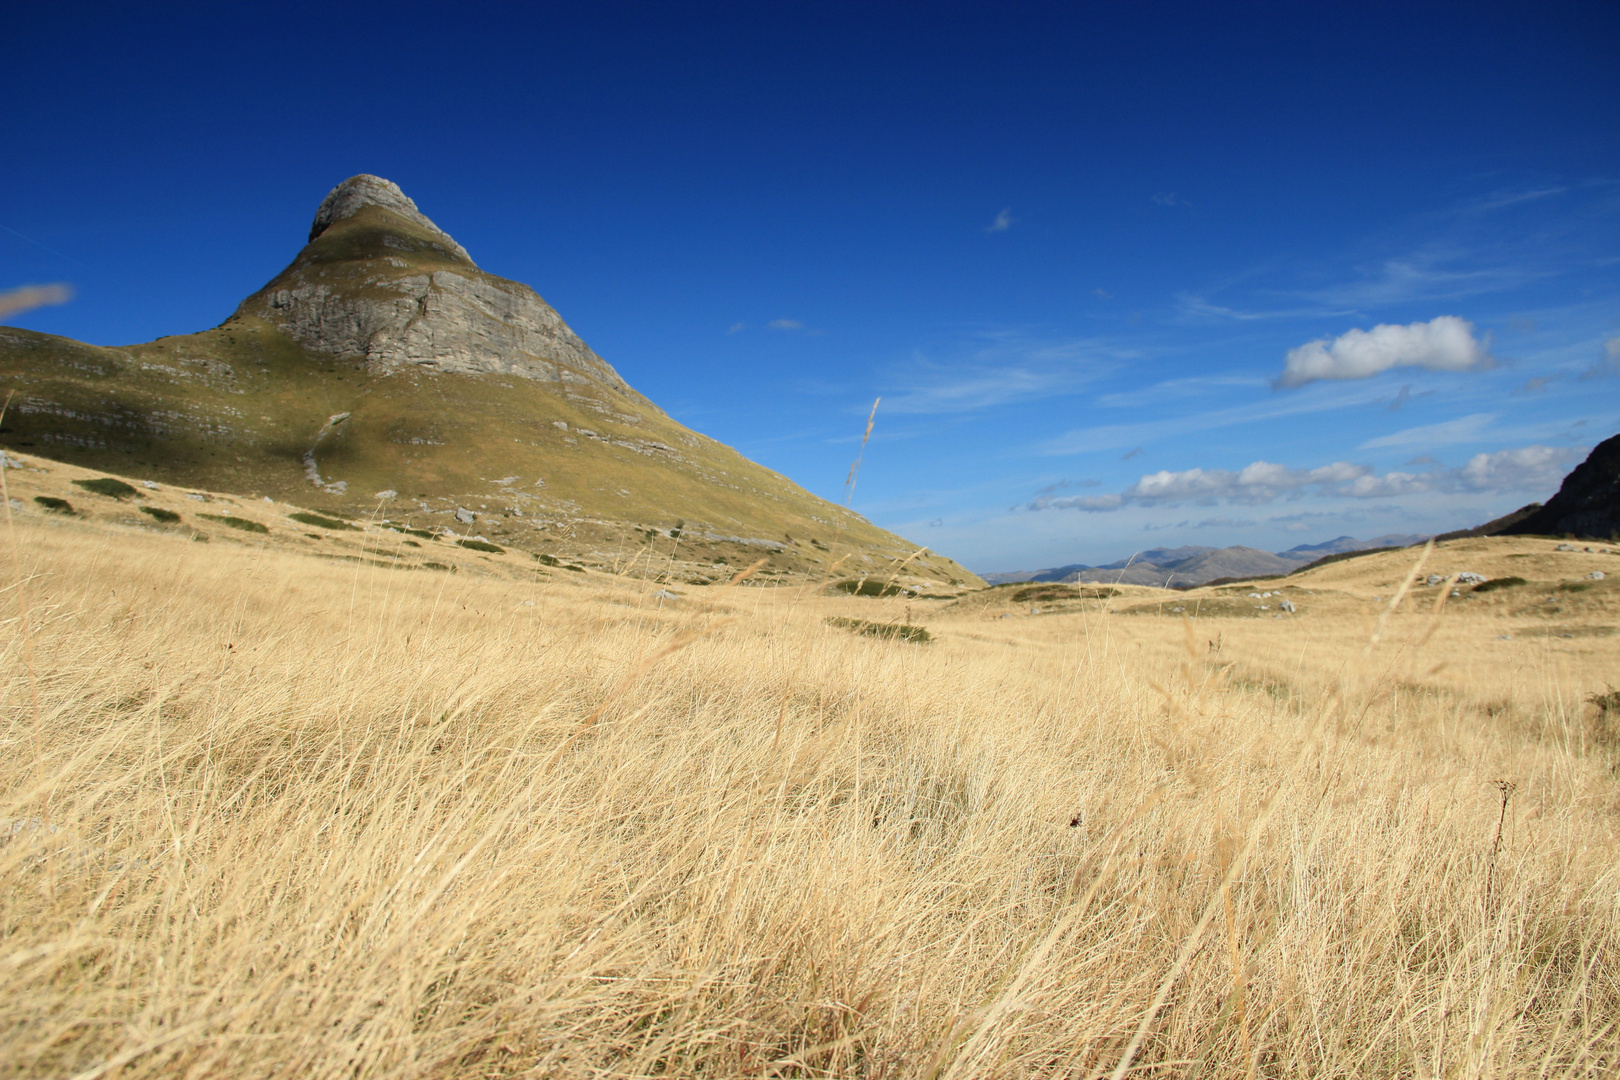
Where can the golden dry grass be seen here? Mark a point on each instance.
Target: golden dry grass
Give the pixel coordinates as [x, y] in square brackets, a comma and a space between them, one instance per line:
[268, 815]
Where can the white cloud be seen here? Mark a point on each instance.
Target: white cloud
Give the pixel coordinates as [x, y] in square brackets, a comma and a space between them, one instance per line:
[1463, 429]
[1529, 468]
[1169, 198]
[1526, 467]
[1446, 343]
[1003, 222]
[737, 327]
[786, 324]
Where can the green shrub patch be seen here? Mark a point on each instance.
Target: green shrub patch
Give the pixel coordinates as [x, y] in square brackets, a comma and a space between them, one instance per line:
[481, 545]
[54, 505]
[236, 523]
[863, 587]
[168, 517]
[1499, 583]
[106, 485]
[896, 631]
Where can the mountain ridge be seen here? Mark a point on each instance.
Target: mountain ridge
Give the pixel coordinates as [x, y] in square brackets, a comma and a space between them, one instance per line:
[383, 366]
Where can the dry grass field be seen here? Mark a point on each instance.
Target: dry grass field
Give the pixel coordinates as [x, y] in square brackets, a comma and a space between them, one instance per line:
[264, 813]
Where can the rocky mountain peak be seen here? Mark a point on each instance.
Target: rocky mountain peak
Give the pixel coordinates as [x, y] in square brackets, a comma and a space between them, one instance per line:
[378, 281]
[358, 192]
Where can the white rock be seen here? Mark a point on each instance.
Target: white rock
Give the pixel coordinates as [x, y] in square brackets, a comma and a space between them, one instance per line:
[386, 494]
[1470, 578]
[1596, 575]
[465, 516]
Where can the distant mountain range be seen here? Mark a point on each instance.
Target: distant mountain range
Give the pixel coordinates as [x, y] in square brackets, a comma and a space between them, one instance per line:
[1192, 565]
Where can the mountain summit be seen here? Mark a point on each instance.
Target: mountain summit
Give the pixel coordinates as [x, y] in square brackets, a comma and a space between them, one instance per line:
[379, 280]
[384, 360]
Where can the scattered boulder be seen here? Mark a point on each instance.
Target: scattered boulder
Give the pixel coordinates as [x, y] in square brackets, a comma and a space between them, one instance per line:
[465, 516]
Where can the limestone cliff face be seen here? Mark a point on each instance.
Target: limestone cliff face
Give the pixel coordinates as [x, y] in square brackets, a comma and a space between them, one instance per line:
[380, 281]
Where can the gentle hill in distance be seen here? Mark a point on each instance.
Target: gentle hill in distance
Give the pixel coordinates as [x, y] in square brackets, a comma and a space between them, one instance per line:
[384, 373]
[1192, 565]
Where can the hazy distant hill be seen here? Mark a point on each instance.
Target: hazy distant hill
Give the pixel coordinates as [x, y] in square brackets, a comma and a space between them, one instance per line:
[1193, 565]
[1207, 565]
[383, 372]
[1349, 543]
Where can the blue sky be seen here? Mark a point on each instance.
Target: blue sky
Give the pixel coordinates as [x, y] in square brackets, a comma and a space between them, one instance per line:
[1117, 271]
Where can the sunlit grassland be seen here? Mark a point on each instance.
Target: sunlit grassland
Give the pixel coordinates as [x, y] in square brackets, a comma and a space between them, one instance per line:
[272, 815]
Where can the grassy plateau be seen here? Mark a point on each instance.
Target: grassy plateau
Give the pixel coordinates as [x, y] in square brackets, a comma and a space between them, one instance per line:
[364, 802]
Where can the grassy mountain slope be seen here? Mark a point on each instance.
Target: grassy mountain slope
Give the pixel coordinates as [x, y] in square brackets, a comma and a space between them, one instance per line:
[582, 462]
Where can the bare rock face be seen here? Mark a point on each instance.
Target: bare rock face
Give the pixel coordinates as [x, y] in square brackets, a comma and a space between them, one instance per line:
[380, 281]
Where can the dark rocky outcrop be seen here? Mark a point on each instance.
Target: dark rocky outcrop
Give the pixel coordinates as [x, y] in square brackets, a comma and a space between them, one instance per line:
[1587, 504]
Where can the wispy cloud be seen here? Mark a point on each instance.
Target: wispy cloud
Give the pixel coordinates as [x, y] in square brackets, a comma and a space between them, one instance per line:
[1537, 385]
[1002, 368]
[1169, 198]
[1464, 429]
[737, 328]
[1529, 468]
[1003, 221]
[1197, 307]
[785, 324]
[1178, 389]
[1272, 407]
[1474, 247]
[1446, 343]
[1502, 199]
[1424, 276]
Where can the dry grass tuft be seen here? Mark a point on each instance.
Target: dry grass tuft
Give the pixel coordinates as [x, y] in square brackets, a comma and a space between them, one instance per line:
[268, 814]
